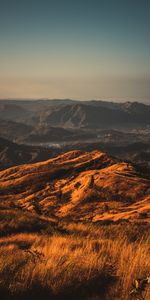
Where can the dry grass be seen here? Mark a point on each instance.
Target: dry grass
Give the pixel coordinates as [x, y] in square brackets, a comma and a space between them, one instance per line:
[44, 256]
[36, 188]
[86, 263]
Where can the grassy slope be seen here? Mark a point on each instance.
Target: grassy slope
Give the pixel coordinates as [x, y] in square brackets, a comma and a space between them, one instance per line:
[87, 262]
[45, 256]
[62, 187]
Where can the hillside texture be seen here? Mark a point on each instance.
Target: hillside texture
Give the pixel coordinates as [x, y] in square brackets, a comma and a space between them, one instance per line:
[80, 185]
[74, 227]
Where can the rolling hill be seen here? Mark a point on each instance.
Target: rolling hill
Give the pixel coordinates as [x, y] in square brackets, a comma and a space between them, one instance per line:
[73, 227]
[27, 134]
[12, 154]
[14, 131]
[78, 185]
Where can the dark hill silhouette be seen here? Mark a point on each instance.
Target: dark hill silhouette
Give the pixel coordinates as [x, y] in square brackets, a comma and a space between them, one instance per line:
[13, 154]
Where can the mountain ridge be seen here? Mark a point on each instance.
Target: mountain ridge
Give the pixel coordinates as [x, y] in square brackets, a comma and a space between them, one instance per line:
[78, 185]
[71, 113]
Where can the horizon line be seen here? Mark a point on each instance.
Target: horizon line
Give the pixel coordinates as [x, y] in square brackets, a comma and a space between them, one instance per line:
[105, 99]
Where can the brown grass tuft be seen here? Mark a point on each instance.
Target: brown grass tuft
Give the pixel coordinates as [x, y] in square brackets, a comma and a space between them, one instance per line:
[83, 265]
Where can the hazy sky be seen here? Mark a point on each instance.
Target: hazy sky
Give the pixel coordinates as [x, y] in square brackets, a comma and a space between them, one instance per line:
[75, 49]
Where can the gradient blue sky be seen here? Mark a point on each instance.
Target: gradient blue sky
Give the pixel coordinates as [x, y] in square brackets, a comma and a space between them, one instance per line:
[81, 49]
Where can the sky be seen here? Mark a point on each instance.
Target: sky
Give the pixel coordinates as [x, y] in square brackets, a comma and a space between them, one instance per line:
[83, 49]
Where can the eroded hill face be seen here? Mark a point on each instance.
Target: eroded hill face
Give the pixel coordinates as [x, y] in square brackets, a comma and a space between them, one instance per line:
[77, 185]
[72, 114]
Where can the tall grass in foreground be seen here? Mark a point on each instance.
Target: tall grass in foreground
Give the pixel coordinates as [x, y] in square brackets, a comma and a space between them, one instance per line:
[84, 264]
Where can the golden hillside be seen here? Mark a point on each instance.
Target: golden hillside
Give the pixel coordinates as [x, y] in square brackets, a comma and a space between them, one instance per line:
[78, 185]
[74, 227]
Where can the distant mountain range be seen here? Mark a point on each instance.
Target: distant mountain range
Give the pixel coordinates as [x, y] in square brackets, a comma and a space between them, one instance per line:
[29, 128]
[76, 114]
[98, 116]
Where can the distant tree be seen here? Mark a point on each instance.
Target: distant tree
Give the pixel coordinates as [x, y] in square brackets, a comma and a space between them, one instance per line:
[91, 184]
[106, 207]
[59, 193]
